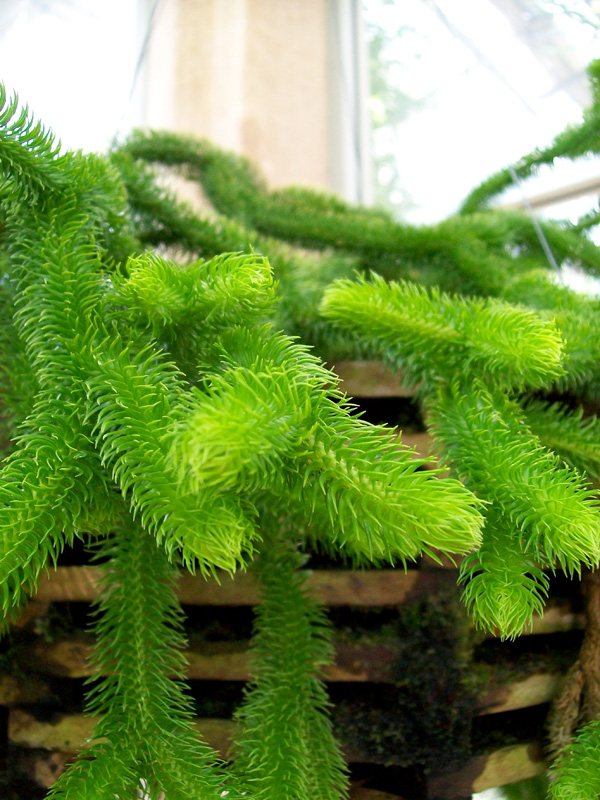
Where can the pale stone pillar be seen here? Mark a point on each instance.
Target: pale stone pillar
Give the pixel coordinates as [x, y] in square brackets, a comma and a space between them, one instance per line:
[251, 75]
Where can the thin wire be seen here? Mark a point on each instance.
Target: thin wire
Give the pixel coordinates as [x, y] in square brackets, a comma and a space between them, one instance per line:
[536, 225]
[143, 55]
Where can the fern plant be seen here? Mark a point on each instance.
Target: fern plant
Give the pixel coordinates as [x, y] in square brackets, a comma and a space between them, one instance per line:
[159, 414]
[165, 406]
[472, 312]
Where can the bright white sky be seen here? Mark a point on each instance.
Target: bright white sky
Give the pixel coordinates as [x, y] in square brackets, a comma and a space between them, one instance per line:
[73, 62]
[478, 121]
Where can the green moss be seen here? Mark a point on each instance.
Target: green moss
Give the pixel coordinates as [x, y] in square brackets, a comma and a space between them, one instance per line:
[425, 716]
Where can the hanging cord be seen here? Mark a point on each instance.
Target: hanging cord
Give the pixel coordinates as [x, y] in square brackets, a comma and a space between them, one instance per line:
[536, 225]
[143, 55]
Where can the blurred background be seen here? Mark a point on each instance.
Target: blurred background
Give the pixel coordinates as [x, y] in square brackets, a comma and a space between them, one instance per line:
[403, 104]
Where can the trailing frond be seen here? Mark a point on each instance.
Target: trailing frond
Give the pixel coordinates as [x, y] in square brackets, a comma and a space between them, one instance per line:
[229, 180]
[576, 316]
[368, 500]
[160, 219]
[431, 335]
[286, 750]
[485, 440]
[232, 288]
[48, 487]
[146, 718]
[29, 155]
[131, 403]
[504, 586]
[581, 332]
[240, 432]
[575, 439]
[126, 396]
[578, 770]
[573, 142]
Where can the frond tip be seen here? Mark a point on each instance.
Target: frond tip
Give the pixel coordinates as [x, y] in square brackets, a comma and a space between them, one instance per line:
[29, 154]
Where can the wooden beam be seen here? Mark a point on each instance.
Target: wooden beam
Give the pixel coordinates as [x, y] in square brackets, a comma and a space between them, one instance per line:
[230, 661]
[506, 765]
[350, 588]
[332, 587]
[221, 661]
[46, 767]
[20, 690]
[72, 732]
[530, 691]
[370, 379]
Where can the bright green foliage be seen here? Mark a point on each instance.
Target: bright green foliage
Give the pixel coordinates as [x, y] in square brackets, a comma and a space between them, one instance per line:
[575, 439]
[470, 356]
[504, 584]
[488, 444]
[286, 748]
[432, 336]
[161, 402]
[145, 736]
[164, 416]
[578, 772]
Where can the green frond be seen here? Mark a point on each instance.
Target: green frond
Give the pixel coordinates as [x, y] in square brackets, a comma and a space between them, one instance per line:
[575, 439]
[574, 141]
[48, 487]
[132, 405]
[431, 335]
[504, 586]
[366, 498]
[485, 440]
[29, 156]
[229, 180]
[145, 732]
[578, 770]
[99, 772]
[158, 218]
[239, 432]
[285, 749]
[233, 288]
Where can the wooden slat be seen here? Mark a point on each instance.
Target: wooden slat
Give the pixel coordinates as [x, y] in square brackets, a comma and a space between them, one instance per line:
[421, 441]
[368, 589]
[46, 767]
[226, 661]
[19, 690]
[354, 663]
[369, 379]
[523, 693]
[70, 732]
[331, 587]
[507, 765]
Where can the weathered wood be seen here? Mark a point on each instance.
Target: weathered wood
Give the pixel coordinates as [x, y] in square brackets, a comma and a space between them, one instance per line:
[46, 767]
[358, 792]
[508, 765]
[73, 731]
[369, 588]
[530, 691]
[331, 587]
[354, 663]
[18, 690]
[370, 379]
[226, 661]
[422, 442]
